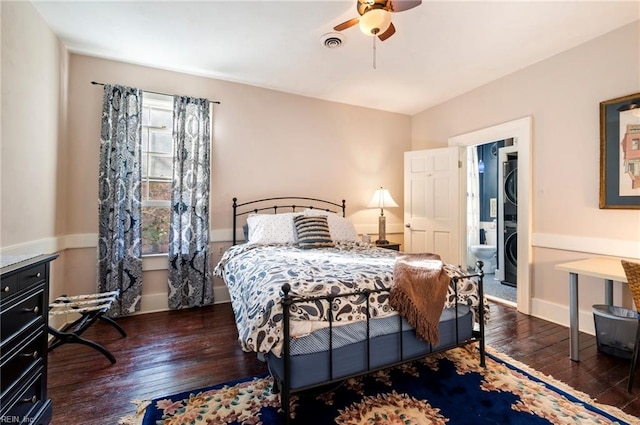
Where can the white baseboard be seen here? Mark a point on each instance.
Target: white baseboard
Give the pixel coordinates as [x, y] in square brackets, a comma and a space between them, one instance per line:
[552, 312]
[152, 303]
[221, 294]
[559, 314]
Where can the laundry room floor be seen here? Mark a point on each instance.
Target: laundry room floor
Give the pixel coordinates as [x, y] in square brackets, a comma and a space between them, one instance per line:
[496, 289]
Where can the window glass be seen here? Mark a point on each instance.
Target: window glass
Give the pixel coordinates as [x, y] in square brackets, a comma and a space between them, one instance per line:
[161, 142]
[162, 118]
[160, 191]
[155, 229]
[160, 166]
[157, 173]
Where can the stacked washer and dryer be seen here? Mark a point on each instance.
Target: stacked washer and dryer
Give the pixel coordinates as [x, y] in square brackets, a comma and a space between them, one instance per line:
[510, 219]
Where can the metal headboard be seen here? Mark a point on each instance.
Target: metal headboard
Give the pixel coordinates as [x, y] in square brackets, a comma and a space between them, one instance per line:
[281, 204]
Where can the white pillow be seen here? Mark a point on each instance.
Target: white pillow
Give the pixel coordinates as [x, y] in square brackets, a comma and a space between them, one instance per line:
[271, 228]
[341, 228]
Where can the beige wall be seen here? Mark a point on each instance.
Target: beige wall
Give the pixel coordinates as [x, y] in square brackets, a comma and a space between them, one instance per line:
[562, 94]
[265, 143]
[32, 75]
[33, 164]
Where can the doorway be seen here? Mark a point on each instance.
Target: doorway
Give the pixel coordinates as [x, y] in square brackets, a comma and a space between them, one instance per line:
[492, 216]
[520, 130]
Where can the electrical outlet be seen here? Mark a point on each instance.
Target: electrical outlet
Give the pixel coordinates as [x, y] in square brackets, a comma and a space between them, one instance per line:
[220, 250]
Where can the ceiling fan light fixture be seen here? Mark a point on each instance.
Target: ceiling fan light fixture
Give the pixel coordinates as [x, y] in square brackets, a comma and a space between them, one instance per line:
[375, 21]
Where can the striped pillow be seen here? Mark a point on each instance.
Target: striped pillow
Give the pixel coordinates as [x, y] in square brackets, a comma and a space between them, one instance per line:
[313, 232]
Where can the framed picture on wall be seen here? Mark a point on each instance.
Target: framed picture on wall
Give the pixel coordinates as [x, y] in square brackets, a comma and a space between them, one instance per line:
[620, 152]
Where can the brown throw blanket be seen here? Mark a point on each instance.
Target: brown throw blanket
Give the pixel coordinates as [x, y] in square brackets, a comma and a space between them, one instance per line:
[419, 291]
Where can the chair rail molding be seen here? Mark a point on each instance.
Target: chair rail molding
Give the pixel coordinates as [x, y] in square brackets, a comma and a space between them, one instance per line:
[574, 243]
[587, 245]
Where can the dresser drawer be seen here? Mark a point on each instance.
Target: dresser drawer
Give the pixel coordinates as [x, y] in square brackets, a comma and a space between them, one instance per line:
[21, 359]
[22, 314]
[31, 276]
[27, 404]
[8, 285]
[11, 283]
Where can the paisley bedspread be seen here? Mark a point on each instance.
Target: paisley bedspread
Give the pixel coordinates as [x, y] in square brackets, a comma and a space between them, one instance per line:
[255, 274]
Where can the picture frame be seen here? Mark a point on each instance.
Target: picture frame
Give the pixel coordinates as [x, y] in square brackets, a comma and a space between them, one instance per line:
[620, 153]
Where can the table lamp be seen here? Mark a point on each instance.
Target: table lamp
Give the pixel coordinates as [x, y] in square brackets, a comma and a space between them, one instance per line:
[382, 199]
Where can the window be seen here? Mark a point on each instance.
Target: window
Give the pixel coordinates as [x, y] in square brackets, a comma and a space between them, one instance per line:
[157, 172]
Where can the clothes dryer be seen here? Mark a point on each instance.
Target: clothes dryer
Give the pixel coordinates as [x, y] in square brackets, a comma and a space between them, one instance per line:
[510, 253]
[510, 187]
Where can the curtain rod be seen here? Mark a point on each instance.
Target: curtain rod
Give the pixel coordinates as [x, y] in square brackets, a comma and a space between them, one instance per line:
[154, 92]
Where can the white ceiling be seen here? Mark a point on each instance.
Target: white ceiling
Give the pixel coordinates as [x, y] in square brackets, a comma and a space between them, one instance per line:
[441, 48]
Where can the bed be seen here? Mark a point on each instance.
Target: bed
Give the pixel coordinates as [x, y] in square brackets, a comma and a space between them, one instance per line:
[321, 313]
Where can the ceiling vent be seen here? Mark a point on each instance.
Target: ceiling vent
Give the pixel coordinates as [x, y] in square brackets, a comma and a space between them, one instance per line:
[332, 40]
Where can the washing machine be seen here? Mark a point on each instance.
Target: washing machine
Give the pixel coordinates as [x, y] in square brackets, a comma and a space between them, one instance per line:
[510, 212]
[510, 253]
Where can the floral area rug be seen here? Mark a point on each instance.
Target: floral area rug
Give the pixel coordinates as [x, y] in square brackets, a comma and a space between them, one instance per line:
[449, 388]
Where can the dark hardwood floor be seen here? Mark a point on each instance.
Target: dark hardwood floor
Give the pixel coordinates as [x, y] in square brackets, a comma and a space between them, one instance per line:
[170, 352]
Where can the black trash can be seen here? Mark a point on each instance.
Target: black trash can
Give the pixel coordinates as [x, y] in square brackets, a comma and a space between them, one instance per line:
[615, 330]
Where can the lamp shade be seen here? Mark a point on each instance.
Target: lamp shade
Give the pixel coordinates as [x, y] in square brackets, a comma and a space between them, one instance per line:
[382, 199]
[375, 21]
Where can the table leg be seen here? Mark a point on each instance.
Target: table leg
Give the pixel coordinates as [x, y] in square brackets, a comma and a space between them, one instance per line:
[574, 327]
[608, 292]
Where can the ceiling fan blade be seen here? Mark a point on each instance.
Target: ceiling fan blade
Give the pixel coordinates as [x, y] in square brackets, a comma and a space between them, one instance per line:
[345, 25]
[634, 104]
[388, 33]
[402, 5]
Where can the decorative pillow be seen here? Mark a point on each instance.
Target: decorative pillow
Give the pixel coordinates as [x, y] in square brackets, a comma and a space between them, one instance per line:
[271, 228]
[245, 232]
[341, 228]
[313, 232]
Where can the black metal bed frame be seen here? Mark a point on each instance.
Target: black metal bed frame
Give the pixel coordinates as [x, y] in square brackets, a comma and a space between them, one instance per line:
[312, 203]
[284, 385]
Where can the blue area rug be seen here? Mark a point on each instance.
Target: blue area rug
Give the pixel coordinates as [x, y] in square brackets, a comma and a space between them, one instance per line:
[450, 388]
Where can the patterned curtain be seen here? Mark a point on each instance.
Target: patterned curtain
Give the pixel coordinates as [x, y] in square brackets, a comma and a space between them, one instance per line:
[190, 282]
[119, 206]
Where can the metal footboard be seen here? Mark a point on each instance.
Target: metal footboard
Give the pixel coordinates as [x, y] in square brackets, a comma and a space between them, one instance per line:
[284, 383]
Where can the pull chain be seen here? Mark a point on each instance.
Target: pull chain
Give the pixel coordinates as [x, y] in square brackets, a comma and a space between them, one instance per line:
[375, 32]
[374, 52]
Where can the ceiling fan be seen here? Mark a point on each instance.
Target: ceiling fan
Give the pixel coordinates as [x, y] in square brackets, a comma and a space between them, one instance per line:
[375, 16]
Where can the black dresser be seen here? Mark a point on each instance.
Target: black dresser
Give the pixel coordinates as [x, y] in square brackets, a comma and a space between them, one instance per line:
[24, 292]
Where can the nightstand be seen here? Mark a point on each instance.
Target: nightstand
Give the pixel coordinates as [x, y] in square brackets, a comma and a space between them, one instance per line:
[393, 246]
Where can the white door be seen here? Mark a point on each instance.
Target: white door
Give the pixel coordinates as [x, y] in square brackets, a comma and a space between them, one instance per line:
[432, 194]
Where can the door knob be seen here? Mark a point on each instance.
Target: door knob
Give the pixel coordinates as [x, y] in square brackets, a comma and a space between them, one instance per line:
[408, 225]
